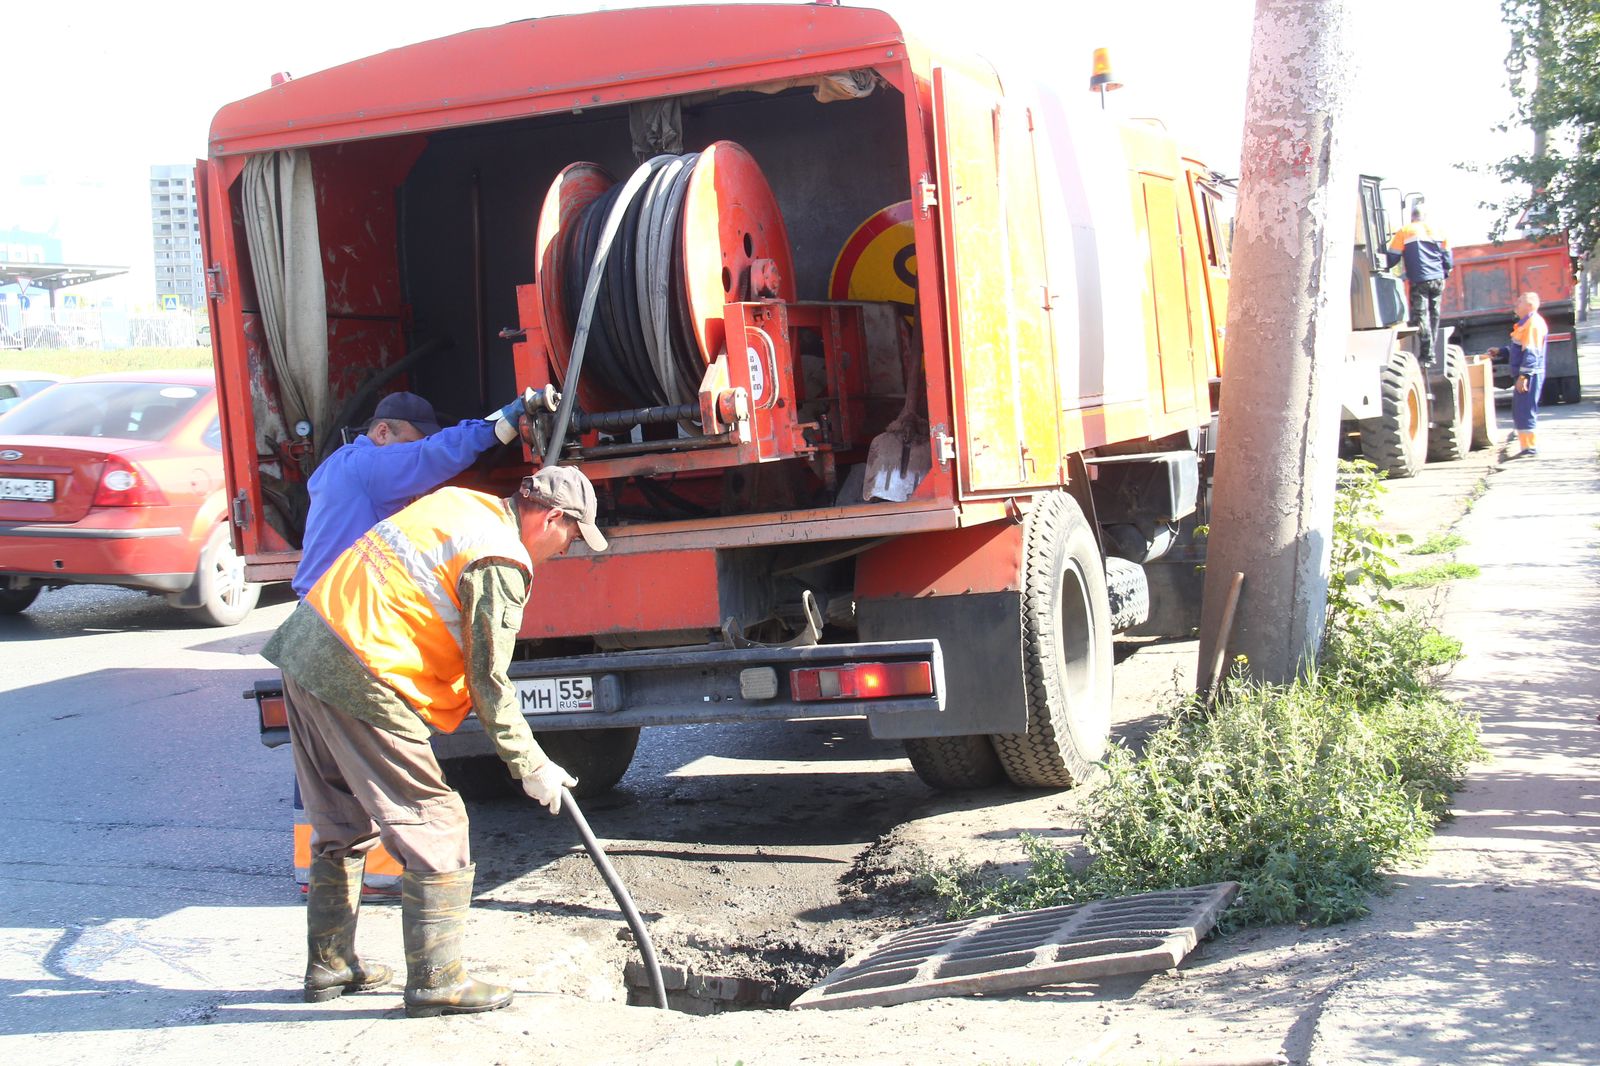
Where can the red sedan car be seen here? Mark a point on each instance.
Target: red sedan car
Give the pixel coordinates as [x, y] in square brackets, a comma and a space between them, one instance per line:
[117, 480]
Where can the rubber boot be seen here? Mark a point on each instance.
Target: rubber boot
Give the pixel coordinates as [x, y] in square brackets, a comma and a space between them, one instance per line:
[333, 896]
[433, 917]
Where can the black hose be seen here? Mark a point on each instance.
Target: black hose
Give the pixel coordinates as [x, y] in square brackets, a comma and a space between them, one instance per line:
[619, 892]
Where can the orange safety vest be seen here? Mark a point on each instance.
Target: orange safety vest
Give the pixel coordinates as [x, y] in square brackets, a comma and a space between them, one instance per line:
[392, 596]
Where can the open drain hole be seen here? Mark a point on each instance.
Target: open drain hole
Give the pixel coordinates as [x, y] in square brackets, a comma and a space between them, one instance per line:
[710, 977]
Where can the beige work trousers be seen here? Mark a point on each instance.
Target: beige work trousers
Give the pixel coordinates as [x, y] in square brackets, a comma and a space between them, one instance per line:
[359, 784]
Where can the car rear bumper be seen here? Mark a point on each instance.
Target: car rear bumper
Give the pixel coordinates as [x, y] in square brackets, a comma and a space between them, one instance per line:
[157, 558]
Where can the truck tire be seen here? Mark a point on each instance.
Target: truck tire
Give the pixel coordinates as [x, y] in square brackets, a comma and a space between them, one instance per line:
[952, 763]
[1128, 592]
[1396, 442]
[1066, 650]
[480, 777]
[15, 601]
[1561, 390]
[226, 598]
[1453, 440]
[596, 757]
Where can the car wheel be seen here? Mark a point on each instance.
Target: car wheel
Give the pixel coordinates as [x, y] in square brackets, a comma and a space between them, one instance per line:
[225, 596]
[15, 601]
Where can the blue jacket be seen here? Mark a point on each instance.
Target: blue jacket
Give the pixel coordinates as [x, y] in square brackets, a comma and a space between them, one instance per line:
[361, 484]
[1427, 255]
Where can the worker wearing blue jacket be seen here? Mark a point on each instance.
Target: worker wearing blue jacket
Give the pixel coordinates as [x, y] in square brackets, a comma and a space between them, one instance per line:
[1428, 261]
[1525, 353]
[403, 455]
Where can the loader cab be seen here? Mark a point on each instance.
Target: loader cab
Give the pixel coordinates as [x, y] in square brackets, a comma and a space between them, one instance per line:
[1377, 296]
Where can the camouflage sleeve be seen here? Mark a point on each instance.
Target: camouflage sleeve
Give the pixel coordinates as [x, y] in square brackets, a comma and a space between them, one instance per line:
[493, 596]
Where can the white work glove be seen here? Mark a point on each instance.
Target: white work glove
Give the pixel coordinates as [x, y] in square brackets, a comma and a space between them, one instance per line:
[544, 785]
[505, 419]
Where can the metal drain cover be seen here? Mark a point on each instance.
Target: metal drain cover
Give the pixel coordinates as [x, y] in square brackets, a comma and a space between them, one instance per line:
[1129, 934]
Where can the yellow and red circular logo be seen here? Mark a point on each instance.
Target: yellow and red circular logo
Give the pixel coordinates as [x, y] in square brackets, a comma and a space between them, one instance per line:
[879, 261]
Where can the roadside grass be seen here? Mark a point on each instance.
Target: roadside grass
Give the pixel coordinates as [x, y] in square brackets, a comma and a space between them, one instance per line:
[1434, 574]
[78, 362]
[1306, 793]
[1438, 544]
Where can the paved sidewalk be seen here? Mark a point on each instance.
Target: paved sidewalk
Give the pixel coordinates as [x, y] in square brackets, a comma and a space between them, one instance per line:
[1487, 953]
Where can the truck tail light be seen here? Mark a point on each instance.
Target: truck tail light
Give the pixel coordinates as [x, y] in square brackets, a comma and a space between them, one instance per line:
[861, 681]
[124, 483]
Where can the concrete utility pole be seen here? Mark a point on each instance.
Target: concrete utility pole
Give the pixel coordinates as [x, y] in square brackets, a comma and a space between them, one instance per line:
[1288, 325]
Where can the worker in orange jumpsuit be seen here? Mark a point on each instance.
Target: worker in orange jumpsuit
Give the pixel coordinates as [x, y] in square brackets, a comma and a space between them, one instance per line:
[1525, 353]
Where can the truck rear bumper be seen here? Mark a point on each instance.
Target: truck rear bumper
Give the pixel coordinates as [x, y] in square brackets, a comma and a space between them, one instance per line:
[686, 686]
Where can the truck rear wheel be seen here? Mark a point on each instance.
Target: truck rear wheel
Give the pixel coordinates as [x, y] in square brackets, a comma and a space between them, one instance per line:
[952, 763]
[1066, 650]
[1453, 440]
[1396, 442]
[596, 757]
[1561, 390]
[15, 601]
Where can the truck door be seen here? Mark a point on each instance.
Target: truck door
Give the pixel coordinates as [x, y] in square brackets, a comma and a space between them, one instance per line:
[1167, 315]
[995, 283]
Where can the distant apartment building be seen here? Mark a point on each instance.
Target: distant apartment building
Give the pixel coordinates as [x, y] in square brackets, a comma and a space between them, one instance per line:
[175, 231]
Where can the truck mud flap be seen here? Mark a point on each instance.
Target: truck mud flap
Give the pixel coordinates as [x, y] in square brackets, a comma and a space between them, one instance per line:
[981, 634]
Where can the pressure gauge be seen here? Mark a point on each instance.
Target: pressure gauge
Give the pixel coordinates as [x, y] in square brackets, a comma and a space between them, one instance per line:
[302, 428]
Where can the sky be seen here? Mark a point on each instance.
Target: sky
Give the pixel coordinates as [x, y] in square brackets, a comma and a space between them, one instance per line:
[97, 92]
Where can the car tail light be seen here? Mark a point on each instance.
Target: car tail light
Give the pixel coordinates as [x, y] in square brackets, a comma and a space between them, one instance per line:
[125, 484]
[861, 681]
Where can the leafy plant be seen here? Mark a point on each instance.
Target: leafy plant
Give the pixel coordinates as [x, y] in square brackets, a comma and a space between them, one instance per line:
[1359, 573]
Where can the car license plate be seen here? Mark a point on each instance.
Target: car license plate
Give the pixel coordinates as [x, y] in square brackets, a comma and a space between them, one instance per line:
[27, 488]
[556, 695]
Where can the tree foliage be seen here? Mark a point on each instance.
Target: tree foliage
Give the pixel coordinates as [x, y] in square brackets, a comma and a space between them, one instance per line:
[1555, 52]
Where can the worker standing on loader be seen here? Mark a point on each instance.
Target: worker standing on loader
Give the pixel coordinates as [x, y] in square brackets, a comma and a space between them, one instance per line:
[403, 454]
[406, 632]
[1526, 355]
[1428, 263]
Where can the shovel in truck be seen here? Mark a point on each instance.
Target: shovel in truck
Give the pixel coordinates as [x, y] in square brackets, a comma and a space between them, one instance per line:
[900, 457]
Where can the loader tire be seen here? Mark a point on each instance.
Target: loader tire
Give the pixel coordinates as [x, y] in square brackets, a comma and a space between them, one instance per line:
[596, 757]
[1396, 442]
[1453, 439]
[1066, 650]
[480, 777]
[952, 763]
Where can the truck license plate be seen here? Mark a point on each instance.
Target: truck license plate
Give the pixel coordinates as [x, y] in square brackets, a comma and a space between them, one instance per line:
[556, 695]
[27, 488]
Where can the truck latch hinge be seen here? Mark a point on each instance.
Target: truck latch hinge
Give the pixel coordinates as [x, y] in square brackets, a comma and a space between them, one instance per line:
[214, 288]
[241, 510]
[945, 445]
[929, 194]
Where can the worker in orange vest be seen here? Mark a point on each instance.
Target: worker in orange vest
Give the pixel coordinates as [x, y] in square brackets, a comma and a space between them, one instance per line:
[407, 631]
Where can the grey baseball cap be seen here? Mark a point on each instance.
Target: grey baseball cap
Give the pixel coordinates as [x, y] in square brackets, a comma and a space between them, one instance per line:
[409, 407]
[565, 489]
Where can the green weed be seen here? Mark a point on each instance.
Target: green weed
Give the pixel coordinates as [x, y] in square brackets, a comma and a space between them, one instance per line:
[1434, 574]
[1438, 543]
[1305, 793]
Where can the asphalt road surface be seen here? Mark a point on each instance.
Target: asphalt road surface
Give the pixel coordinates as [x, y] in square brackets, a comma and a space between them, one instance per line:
[147, 883]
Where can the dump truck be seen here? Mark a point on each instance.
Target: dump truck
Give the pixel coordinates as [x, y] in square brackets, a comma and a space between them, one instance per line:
[1396, 413]
[892, 366]
[1480, 297]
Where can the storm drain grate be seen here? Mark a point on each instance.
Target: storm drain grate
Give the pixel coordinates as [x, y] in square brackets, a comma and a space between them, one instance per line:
[1129, 934]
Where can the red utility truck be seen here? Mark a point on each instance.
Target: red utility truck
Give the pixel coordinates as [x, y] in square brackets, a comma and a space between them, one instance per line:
[1480, 297]
[892, 367]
